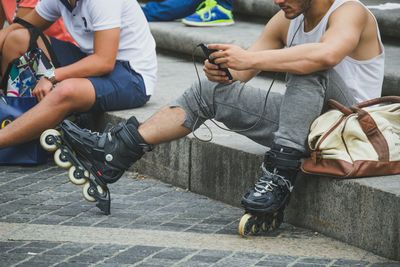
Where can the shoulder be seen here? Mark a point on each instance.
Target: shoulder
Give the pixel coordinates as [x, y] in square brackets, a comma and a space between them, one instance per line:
[350, 11]
[278, 25]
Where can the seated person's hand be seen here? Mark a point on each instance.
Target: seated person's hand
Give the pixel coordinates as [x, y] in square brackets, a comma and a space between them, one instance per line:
[43, 87]
[214, 73]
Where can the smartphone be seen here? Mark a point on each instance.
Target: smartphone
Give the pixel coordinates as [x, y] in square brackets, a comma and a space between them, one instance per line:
[207, 52]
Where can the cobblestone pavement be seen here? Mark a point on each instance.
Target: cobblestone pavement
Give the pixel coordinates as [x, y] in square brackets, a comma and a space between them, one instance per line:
[44, 221]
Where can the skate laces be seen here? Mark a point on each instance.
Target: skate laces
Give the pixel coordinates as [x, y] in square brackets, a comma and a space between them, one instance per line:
[91, 132]
[269, 181]
[205, 8]
[108, 132]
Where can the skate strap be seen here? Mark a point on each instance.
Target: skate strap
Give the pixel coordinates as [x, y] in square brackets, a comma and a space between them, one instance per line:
[135, 135]
[282, 160]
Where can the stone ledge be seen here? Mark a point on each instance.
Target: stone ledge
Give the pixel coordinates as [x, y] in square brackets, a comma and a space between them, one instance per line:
[362, 212]
[176, 37]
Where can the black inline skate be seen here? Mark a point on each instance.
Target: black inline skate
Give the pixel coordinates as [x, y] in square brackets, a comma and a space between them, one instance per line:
[264, 204]
[95, 159]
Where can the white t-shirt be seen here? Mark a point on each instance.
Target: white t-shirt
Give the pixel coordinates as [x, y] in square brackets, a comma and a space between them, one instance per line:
[136, 44]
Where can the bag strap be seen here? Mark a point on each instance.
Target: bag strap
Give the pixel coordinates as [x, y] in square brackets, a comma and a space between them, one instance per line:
[336, 105]
[374, 135]
[34, 35]
[372, 102]
[379, 100]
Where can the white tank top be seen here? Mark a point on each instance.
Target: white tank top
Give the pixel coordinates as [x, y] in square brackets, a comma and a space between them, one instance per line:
[363, 77]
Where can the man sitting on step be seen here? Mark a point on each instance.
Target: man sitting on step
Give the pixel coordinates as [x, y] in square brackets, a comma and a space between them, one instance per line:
[330, 49]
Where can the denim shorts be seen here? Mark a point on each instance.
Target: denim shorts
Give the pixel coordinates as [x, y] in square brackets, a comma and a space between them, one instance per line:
[123, 88]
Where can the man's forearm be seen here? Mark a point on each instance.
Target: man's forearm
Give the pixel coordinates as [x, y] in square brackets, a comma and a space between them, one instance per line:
[301, 59]
[92, 65]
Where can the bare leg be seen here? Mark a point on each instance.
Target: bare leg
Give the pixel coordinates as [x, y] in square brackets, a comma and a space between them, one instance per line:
[164, 126]
[68, 96]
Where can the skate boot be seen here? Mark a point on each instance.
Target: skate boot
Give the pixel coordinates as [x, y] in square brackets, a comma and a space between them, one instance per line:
[95, 159]
[264, 204]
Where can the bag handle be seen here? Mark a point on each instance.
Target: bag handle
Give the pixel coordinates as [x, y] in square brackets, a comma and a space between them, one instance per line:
[379, 100]
[336, 105]
[374, 135]
[353, 109]
[34, 35]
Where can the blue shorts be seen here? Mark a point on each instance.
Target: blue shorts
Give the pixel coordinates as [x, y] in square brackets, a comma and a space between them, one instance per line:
[123, 88]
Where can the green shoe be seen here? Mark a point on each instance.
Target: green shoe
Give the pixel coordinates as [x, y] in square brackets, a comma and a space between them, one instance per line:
[210, 14]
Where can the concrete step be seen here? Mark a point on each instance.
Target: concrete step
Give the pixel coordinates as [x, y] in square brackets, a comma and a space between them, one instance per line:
[389, 20]
[361, 212]
[174, 36]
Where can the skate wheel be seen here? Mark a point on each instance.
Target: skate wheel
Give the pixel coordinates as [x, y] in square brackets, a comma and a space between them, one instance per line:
[61, 160]
[277, 221]
[245, 225]
[255, 228]
[264, 227]
[77, 176]
[87, 195]
[48, 140]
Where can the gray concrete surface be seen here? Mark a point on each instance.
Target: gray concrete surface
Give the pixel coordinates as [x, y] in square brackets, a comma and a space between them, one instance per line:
[176, 37]
[363, 212]
[44, 221]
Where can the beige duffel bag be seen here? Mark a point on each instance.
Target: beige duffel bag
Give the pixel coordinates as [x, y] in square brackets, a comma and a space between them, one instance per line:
[360, 141]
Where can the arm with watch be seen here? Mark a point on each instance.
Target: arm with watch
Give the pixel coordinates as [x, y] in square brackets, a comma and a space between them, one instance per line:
[101, 62]
[45, 84]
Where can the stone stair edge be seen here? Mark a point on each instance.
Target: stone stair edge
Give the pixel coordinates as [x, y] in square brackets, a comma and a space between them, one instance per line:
[174, 37]
[192, 165]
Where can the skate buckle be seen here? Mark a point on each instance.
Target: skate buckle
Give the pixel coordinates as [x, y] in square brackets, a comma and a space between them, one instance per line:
[147, 148]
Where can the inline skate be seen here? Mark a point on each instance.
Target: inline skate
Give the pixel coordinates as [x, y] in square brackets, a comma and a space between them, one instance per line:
[95, 159]
[265, 203]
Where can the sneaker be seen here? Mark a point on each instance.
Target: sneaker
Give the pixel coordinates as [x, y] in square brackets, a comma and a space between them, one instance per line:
[208, 14]
[270, 193]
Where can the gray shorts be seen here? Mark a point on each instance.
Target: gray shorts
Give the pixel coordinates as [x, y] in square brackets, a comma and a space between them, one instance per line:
[286, 119]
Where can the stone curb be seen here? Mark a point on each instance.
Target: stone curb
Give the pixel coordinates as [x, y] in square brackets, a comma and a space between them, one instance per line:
[174, 36]
[362, 212]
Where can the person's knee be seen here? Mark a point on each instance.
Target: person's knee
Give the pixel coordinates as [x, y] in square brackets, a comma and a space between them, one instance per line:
[65, 94]
[16, 43]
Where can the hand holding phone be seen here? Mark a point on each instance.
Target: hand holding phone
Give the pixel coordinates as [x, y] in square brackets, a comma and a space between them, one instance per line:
[207, 52]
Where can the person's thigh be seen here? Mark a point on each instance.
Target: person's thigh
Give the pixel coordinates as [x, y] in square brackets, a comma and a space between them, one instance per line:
[123, 88]
[305, 99]
[242, 108]
[72, 95]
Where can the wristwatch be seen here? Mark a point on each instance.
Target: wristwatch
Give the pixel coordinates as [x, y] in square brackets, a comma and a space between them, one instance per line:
[50, 76]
